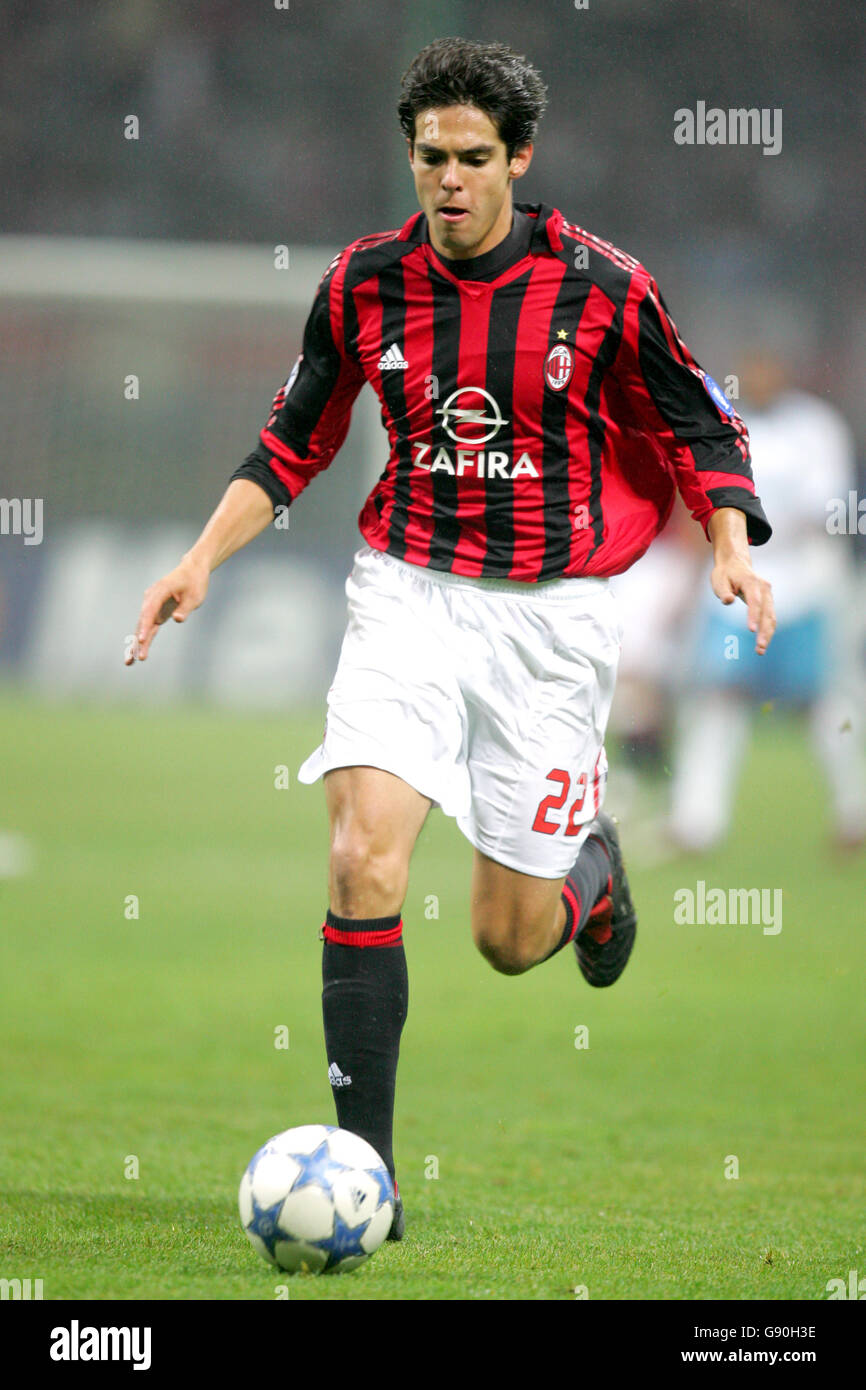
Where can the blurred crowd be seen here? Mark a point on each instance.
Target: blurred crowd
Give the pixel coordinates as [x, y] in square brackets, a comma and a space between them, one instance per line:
[254, 119]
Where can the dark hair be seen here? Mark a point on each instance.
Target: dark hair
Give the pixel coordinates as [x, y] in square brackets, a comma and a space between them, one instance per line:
[467, 72]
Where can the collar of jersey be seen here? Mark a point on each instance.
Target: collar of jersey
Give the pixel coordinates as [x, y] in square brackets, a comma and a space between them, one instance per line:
[545, 238]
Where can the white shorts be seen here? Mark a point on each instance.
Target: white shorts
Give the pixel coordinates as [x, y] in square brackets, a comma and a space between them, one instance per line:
[489, 696]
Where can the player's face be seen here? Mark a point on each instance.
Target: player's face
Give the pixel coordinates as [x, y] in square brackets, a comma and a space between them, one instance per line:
[762, 376]
[463, 179]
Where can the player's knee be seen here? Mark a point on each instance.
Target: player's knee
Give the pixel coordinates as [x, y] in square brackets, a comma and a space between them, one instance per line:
[507, 951]
[366, 881]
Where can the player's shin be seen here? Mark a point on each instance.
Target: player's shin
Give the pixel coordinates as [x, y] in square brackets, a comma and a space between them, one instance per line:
[365, 995]
[585, 885]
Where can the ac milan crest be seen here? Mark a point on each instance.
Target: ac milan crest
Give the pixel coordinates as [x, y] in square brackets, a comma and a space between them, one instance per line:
[558, 367]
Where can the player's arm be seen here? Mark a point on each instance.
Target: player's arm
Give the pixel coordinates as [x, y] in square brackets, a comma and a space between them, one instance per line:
[706, 443]
[308, 422]
[311, 413]
[733, 576]
[244, 512]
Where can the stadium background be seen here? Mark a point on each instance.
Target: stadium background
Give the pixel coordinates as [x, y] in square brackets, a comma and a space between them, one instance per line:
[154, 257]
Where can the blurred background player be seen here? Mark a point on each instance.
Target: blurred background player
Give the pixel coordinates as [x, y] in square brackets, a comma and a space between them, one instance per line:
[655, 597]
[804, 454]
[656, 603]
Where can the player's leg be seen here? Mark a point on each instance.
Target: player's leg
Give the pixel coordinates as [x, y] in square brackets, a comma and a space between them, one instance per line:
[391, 749]
[821, 669]
[837, 737]
[519, 920]
[712, 728]
[375, 819]
[546, 858]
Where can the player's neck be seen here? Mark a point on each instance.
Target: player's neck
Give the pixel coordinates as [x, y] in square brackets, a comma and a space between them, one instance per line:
[506, 253]
[501, 229]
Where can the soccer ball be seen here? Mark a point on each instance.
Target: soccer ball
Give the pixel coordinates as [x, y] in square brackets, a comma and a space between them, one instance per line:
[316, 1198]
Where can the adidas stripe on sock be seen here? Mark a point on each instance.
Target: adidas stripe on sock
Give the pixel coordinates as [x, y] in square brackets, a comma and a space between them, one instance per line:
[365, 995]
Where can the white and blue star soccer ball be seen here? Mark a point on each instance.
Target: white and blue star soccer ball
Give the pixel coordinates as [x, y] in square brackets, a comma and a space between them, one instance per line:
[316, 1198]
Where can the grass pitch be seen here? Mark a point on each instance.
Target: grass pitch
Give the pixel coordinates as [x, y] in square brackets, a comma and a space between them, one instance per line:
[531, 1168]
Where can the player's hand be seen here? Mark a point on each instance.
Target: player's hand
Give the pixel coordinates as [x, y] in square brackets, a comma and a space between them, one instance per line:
[733, 577]
[175, 596]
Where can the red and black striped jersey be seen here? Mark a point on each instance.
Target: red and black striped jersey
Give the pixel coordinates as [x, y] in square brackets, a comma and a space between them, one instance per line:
[541, 408]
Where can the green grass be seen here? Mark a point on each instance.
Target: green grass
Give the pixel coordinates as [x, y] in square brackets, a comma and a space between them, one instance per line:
[558, 1167]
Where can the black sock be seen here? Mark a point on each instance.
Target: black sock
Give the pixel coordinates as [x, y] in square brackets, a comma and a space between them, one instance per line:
[365, 998]
[586, 883]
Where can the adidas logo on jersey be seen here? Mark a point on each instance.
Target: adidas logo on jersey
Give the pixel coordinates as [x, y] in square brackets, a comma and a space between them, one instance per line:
[336, 1077]
[393, 360]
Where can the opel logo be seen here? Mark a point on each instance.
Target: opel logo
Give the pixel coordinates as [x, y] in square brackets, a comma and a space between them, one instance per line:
[471, 416]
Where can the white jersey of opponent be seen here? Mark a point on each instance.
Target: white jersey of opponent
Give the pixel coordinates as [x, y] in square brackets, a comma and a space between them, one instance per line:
[803, 454]
[489, 696]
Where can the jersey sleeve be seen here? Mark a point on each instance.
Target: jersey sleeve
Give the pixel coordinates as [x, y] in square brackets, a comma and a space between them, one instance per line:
[688, 414]
[310, 413]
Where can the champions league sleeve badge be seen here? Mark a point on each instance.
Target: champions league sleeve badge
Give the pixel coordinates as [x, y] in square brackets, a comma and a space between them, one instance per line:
[718, 396]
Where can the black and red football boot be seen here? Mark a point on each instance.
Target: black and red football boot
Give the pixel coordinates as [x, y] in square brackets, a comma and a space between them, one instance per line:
[604, 943]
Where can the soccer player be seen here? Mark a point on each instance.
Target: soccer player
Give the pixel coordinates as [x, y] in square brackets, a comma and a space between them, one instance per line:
[810, 668]
[541, 410]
